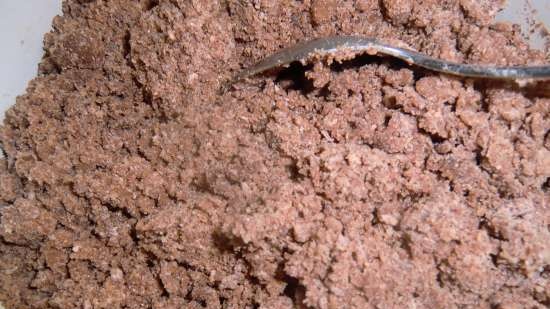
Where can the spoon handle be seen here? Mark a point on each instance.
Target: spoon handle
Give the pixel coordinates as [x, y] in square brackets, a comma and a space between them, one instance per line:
[330, 45]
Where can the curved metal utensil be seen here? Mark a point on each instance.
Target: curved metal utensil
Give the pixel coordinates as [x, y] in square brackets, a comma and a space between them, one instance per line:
[334, 44]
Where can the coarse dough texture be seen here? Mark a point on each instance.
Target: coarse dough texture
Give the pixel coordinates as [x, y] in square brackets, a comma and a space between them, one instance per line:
[131, 181]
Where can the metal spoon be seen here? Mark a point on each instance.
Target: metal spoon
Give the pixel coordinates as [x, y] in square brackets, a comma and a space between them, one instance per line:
[334, 44]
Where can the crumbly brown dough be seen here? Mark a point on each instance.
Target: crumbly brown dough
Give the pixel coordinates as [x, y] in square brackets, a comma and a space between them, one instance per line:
[132, 181]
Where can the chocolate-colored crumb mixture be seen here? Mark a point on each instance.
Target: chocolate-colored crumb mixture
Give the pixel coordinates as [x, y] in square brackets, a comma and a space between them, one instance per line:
[133, 179]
